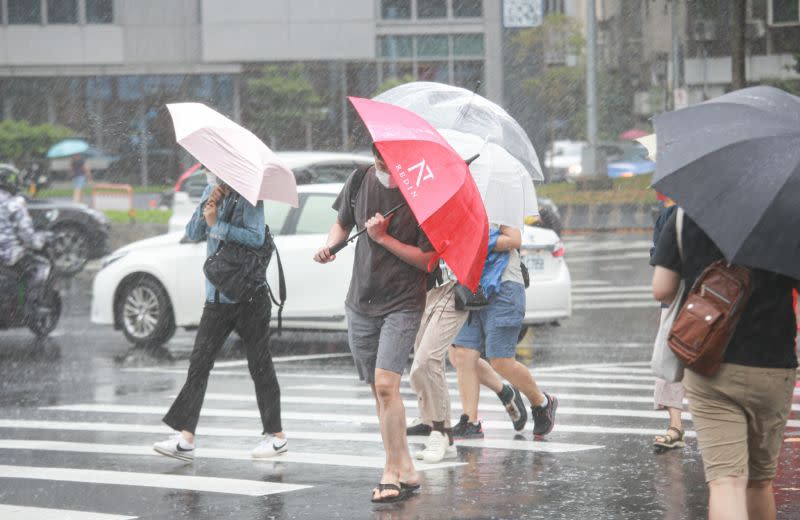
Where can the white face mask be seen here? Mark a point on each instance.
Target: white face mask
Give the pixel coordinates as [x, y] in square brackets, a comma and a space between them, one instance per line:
[211, 178]
[386, 179]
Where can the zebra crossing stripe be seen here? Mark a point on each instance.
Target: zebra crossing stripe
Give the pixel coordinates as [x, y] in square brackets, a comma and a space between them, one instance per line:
[154, 480]
[10, 512]
[327, 459]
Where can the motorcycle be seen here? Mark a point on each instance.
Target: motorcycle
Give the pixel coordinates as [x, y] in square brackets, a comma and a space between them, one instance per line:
[14, 311]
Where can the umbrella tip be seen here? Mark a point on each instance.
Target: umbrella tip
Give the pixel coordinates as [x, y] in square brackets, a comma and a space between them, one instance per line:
[469, 161]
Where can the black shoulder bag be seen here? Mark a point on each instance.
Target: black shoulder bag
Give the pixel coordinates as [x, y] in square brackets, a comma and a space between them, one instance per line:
[240, 272]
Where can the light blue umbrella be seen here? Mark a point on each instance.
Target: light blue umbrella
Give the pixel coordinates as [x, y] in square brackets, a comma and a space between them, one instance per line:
[67, 147]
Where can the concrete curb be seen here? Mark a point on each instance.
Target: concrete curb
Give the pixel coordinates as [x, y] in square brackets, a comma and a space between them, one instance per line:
[606, 217]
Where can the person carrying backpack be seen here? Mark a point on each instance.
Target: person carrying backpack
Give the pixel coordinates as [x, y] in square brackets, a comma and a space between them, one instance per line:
[224, 216]
[740, 411]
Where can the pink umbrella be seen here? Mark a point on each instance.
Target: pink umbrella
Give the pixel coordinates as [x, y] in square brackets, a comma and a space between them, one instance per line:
[233, 153]
[632, 134]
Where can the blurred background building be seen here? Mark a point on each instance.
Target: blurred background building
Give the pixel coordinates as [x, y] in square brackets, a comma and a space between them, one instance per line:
[106, 68]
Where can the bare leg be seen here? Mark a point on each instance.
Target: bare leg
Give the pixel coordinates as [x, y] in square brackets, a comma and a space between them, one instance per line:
[466, 362]
[488, 376]
[728, 499]
[518, 375]
[675, 418]
[760, 500]
[392, 416]
[188, 436]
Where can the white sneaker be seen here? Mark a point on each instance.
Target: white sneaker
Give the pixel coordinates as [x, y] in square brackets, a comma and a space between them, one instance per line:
[176, 447]
[437, 448]
[270, 446]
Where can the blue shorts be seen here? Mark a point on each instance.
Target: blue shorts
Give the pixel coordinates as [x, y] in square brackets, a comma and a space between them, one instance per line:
[495, 328]
[79, 182]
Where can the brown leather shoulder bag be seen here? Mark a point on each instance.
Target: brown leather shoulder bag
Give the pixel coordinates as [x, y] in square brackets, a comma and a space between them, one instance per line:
[706, 322]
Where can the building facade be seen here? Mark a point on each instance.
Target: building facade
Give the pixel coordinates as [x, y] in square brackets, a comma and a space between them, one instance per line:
[106, 68]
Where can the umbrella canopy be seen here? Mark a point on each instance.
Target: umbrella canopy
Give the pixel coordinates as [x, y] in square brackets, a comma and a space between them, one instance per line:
[233, 153]
[505, 186]
[649, 142]
[632, 134]
[454, 108]
[436, 183]
[733, 164]
[67, 147]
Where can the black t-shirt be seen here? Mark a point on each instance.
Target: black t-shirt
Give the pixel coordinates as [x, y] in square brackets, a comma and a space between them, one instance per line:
[381, 282]
[765, 334]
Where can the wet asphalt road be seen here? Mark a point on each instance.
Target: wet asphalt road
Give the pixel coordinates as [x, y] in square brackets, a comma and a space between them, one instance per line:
[79, 412]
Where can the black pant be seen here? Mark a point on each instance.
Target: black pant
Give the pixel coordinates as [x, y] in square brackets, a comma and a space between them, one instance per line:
[34, 269]
[251, 321]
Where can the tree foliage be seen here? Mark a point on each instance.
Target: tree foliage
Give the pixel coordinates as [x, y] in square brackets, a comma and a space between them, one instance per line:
[392, 82]
[22, 142]
[280, 102]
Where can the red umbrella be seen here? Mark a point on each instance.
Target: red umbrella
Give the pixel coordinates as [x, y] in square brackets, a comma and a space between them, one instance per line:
[632, 134]
[436, 184]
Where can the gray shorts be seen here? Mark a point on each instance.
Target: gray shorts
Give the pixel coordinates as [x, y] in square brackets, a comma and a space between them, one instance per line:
[382, 342]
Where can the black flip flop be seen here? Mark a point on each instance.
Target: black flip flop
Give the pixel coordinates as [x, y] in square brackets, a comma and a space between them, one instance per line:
[409, 487]
[402, 494]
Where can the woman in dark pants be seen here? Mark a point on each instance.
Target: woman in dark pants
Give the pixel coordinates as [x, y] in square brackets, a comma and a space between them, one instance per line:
[244, 223]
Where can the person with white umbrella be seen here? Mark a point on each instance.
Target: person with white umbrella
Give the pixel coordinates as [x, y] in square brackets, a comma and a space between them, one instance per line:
[230, 212]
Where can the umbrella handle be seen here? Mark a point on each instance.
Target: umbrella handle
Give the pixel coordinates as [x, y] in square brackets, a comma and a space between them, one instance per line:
[344, 243]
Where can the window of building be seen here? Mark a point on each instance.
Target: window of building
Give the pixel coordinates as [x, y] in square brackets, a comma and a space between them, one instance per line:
[468, 45]
[785, 11]
[432, 47]
[467, 74]
[467, 8]
[62, 11]
[395, 47]
[99, 11]
[433, 71]
[396, 9]
[397, 70]
[24, 12]
[431, 8]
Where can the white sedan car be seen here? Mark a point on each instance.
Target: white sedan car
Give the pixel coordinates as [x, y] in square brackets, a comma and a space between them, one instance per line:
[150, 287]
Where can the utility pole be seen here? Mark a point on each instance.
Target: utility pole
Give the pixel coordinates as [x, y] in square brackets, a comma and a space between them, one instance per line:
[739, 19]
[590, 159]
[675, 49]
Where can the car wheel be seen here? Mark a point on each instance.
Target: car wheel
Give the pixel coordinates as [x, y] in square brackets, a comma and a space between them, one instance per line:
[70, 249]
[145, 313]
[549, 220]
[47, 319]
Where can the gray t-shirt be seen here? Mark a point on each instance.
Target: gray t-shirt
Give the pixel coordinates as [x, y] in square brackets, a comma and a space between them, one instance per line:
[382, 283]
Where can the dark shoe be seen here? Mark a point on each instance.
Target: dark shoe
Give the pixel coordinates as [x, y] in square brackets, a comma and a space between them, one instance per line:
[515, 408]
[419, 428]
[544, 417]
[466, 430]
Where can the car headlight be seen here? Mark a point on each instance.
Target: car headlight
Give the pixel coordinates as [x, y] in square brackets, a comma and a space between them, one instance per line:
[575, 169]
[113, 257]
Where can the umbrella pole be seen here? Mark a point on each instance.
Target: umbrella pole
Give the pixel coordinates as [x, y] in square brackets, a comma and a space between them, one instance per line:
[341, 245]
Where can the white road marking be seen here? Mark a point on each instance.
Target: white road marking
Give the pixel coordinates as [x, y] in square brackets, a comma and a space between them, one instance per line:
[546, 384]
[620, 371]
[9, 512]
[327, 459]
[620, 297]
[581, 283]
[154, 480]
[537, 345]
[614, 289]
[610, 305]
[606, 258]
[286, 359]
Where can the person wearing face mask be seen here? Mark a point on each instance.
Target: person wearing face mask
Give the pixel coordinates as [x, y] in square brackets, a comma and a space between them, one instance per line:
[384, 305]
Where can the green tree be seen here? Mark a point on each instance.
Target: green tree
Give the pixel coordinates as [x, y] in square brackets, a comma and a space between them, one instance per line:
[390, 83]
[22, 142]
[281, 103]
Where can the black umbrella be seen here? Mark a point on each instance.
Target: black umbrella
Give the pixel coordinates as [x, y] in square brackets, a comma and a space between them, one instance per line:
[733, 164]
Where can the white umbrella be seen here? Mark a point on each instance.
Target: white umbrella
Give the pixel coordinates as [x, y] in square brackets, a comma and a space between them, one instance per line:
[233, 153]
[505, 185]
[649, 142]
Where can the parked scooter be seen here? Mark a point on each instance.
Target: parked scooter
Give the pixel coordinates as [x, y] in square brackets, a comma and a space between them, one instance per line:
[14, 309]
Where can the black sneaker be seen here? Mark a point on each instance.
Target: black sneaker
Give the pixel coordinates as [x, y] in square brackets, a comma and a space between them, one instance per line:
[466, 430]
[515, 407]
[544, 417]
[419, 428]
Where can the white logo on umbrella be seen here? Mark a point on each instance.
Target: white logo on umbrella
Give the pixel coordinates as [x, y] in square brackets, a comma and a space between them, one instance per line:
[423, 167]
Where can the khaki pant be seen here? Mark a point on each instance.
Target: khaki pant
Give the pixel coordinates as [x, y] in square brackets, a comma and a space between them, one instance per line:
[440, 324]
[740, 414]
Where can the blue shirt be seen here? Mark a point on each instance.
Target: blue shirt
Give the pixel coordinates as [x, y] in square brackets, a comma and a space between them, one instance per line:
[245, 226]
[495, 266]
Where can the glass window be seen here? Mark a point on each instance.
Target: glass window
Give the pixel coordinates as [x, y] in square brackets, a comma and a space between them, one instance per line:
[394, 70]
[431, 8]
[334, 172]
[62, 11]
[275, 215]
[24, 12]
[432, 46]
[433, 71]
[467, 74]
[317, 215]
[396, 9]
[785, 11]
[468, 45]
[467, 8]
[395, 46]
[99, 11]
